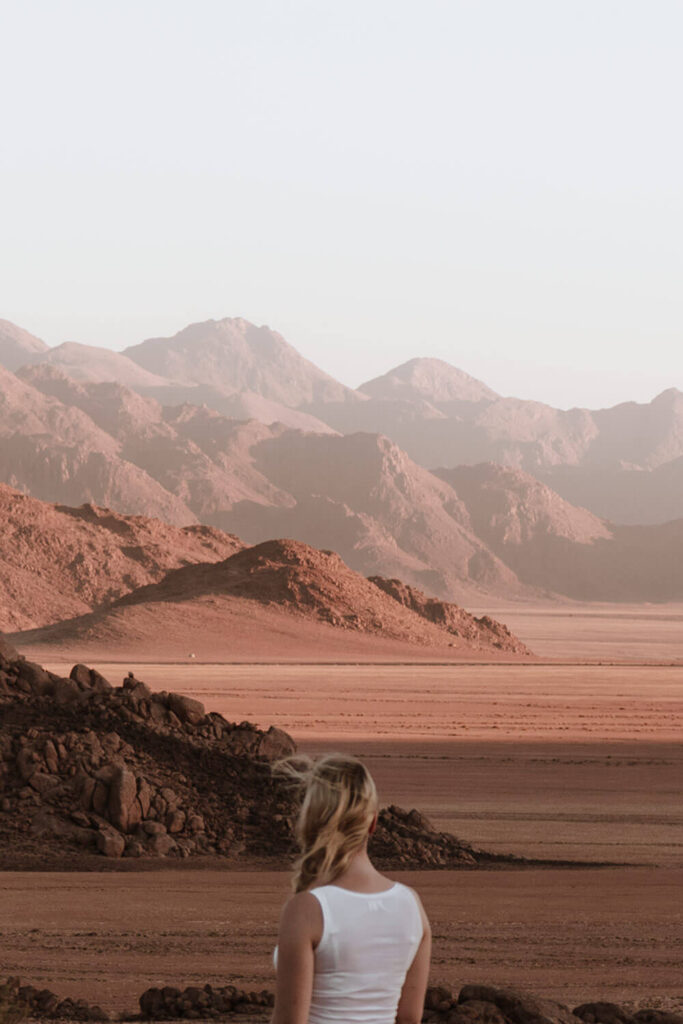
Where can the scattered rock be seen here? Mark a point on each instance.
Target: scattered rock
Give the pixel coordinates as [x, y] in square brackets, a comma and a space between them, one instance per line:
[186, 708]
[517, 1006]
[110, 843]
[603, 1013]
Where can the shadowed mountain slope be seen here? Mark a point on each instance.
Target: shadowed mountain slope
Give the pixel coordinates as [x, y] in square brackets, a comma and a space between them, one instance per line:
[363, 497]
[56, 452]
[549, 543]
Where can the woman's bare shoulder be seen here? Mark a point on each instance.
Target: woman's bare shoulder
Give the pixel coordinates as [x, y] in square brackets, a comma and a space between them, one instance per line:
[302, 916]
[423, 912]
[301, 907]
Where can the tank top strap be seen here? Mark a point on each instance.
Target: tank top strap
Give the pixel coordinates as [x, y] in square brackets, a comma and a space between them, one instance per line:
[329, 926]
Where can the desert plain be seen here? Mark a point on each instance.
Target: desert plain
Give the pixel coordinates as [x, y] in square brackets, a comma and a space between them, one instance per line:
[575, 758]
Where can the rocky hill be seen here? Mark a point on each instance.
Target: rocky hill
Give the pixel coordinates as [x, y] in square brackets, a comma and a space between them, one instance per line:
[90, 771]
[57, 562]
[270, 598]
[481, 633]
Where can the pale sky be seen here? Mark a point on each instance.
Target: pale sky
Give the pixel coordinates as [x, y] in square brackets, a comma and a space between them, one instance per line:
[494, 183]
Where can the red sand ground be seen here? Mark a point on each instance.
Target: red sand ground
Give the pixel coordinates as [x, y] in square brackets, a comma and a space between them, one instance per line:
[574, 935]
[559, 760]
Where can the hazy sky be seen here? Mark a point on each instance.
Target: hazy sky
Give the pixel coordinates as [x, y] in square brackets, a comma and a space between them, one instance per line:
[495, 183]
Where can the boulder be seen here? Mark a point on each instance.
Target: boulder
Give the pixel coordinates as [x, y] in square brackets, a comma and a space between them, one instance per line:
[603, 1013]
[276, 743]
[154, 828]
[122, 807]
[144, 796]
[657, 1017]
[7, 652]
[110, 843]
[475, 1012]
[175, 821]
[186, 708]
[161, 845]
[80, 675]
[65, 691]
[36, 677]
[43, 783]
[518, 1006]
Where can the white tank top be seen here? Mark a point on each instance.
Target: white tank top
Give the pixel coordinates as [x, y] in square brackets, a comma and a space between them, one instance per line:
[369, 941]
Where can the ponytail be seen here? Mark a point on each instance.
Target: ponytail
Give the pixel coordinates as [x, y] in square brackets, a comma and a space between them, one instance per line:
[339, 802]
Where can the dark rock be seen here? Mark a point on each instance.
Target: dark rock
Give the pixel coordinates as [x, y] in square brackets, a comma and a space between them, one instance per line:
[186, 709]
[603, 1013]
[36, 677]
[475, 1012]
[275, 744]
[154, 828]
[110, 843]
[517, 1006]
[7, 652]
[161, 845]
[122, 807]
[647, 1016]
[65, 691]
[42, 783]
[81, 675]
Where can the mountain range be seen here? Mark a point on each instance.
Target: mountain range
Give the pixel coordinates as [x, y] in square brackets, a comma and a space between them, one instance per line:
[424, 473]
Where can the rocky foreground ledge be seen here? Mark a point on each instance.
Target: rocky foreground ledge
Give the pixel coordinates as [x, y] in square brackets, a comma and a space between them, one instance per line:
[91, 774]
[473, 1004]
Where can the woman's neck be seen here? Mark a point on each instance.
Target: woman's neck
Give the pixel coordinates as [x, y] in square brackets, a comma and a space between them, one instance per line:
[361, 874]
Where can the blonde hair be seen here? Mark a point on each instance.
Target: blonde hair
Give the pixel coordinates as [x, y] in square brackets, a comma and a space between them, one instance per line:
[337, 809]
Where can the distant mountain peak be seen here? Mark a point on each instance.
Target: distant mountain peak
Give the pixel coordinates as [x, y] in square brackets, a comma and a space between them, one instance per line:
[17, 346]
[433, 380]
[233, 354]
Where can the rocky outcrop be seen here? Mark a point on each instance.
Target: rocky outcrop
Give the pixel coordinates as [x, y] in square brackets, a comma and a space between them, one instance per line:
[94, 771]
[303, 586]
[482, 633]
[87, 768]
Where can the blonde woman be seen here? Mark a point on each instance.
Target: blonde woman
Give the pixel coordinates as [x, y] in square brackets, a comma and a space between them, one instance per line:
[353, 947]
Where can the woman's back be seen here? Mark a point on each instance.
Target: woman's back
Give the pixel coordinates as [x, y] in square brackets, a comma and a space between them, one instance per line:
[368, 943]
[353, 947]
